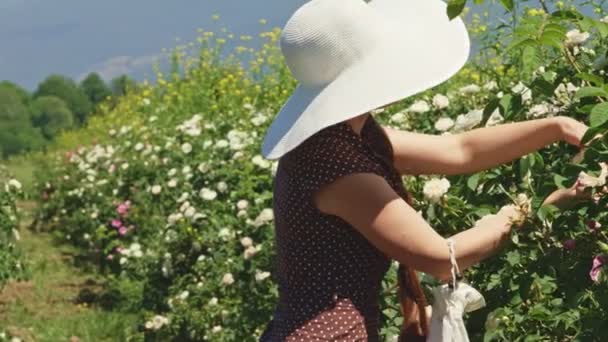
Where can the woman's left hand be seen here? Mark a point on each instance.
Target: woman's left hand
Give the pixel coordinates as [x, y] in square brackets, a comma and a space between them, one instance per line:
[566, 198]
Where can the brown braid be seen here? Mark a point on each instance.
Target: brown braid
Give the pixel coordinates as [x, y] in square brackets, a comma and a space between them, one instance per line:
[411, 297]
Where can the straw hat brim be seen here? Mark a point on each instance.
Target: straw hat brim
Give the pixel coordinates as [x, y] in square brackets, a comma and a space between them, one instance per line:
[423, 49]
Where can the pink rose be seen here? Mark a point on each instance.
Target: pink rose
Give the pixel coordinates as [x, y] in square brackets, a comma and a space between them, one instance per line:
[122, 231]
[122, 209]
[598, 262]
[116, 223]
[593, 225]
[570, 244]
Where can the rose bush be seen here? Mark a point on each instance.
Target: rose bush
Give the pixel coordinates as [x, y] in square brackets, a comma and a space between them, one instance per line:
[168, 190]
[10, 261]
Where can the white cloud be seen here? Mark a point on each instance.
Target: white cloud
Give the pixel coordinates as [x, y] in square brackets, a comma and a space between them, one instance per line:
[120, 65]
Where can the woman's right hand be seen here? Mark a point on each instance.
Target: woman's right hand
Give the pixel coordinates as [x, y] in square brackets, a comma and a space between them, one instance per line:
[572, 131]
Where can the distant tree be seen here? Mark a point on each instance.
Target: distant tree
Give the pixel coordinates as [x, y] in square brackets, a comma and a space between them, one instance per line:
[23, 94]
[18, 137]
[120, 85]
[16, 131]
[11, 104]
[52, 115]
[67, 90]
[95, 88]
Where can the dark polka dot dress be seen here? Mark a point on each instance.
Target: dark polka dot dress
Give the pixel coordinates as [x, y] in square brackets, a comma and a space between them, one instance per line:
[329, 275]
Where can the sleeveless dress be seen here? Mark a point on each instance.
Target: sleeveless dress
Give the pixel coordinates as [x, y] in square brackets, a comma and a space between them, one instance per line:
[329, 275]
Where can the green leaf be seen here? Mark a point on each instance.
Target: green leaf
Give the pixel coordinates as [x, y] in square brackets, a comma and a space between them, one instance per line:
[521, 42]
[602, 28]
[599, 114]
[603, 246]
[559, 181]
[531, 59]
[513, 258]
[566, 15]
[524, 166]
[430, 212]
[455, 7]
[555, 27]
[590, 134]
[552, 38]
[586, 23]
[596, 80]
[473, 181]
[508, 4]
[590, 92]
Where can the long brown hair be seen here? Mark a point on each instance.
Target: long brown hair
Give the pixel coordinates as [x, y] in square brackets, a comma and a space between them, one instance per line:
[411, 296]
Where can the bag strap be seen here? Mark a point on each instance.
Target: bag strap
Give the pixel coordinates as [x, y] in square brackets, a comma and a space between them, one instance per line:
[455, 270]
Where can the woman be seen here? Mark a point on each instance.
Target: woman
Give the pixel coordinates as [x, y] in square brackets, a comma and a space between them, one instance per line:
[341, 211]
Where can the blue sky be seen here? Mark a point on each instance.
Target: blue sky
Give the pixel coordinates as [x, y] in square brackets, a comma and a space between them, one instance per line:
[72, 37]
[114, 37]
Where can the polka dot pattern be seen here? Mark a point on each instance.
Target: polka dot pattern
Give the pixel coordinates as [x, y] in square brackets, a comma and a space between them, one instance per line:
[329, 275]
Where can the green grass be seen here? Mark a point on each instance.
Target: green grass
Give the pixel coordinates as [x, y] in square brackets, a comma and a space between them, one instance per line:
[23, 170]
[44, 308]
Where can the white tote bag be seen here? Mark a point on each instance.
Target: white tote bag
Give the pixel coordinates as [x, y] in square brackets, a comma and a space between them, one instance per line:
[451, 301]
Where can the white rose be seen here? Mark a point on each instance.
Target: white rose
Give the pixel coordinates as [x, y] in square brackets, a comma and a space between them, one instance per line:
[183, 295]
[222, 143]
[228, 279]
[186, 148]
[576, 37]
[435, 188]
[495, 118]
[469, 89]
[250, 252]
[156, 189]
[441, 101]
[419, 106]
[259, 275]
[213, 301]
[207, 194]
[190, 212]
[246, 242]
[242, 204]
[216, 329]
[203, 167]
[172, 183]
[467, 121]
[540, 110]
[13, 183]
[444, 124]
[490, 85]
[222, 186]
[398, 117]
[260, 161]
[525, 92]
[586, 180]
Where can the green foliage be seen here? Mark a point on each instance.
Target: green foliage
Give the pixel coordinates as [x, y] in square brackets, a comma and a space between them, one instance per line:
[16, 131]
[67, 90]
[10, 264]
[121, 85]
[95, 88]
[52, 115]
[23, 94]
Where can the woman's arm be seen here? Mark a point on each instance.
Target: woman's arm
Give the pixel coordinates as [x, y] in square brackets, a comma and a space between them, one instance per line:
[480, 148]
[396, 229]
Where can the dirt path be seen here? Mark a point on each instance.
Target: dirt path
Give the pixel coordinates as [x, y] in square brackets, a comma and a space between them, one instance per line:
[52, 304]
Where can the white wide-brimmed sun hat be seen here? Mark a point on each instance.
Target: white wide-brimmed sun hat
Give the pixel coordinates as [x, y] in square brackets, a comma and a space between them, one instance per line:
[350, 57]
